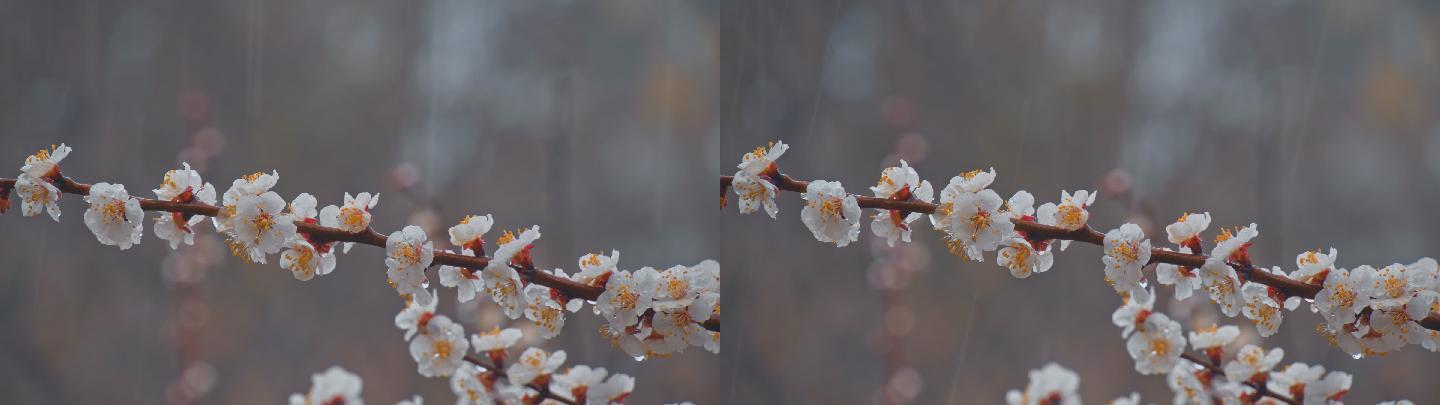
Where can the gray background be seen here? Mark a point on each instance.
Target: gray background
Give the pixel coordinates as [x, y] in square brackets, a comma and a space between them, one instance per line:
[1313, 119]
[593, 120]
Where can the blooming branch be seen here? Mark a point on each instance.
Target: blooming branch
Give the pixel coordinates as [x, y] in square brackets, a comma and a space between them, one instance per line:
[1366, 311]
[1040, 232]
[650, 312]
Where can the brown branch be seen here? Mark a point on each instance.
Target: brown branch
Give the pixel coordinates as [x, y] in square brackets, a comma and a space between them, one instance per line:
[1286, 285]
[543, 389]
[369, 236]
[1260, 388]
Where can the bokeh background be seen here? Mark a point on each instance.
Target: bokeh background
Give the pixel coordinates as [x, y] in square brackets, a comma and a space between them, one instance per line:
[1313, 119]
[594, 120]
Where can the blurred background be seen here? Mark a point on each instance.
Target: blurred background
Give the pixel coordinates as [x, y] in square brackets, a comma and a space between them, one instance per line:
[595, 121]
[1312, 119]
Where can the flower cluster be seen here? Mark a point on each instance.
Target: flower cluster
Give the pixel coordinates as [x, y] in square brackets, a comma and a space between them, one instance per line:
[440, 349]
[658, 312]
[1248, 379]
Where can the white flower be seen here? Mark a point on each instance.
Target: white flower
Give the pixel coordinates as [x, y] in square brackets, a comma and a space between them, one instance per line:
[45, 163]
[1220, 280]
[1187, 228]
[1233, 246]
[334, 386]
[260, 225]
[470, 233]
[1399, 326]
[305, 261]
[38, 195]
[1313, 265]
[1213, 337]
[354, 216]
[416, 316]
[1156, 345]
[1261, 308]
[504, 286]
[468, 387]
[973, 181]
[253, 184]
[1304, 383]
[680, 326]
[182, 186]
[1186, 280]
[1138, 304]
[1072, 213]
[1185, 382]
[1329, 389]
[545, 310]
[496, 339]
[416, 400]
[440, 351]
[679, 285]
[753, 182]
[831, 215]
[1023, 259]
[1126, 252]
[971, 220]
[596, 268]
[759, 160]
[114, 216]
[407, 254]
[1344, 295]
[754, 192]
[900, 184]
[302, 208]
[614, 390]
[1396, 284]
[1252, 360]
[576, 381]
[466, 281]
[1050, 385]
[1295, 378]
[627, 295]
[533, 363]
[1021, 206]
[502, 282]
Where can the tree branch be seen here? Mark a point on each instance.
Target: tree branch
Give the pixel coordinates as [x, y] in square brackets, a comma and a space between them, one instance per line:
[1286, 285]
[369, 236]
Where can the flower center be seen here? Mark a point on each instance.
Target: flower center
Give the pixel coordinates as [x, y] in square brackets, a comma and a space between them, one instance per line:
[830, 208]
[625, 297]
[1159, 346]
[979, 221]
[677, 287]
[1126, 250]
[442, 348]
[263, 223]
[353, 218]
[1070, 214]
[114, 212]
